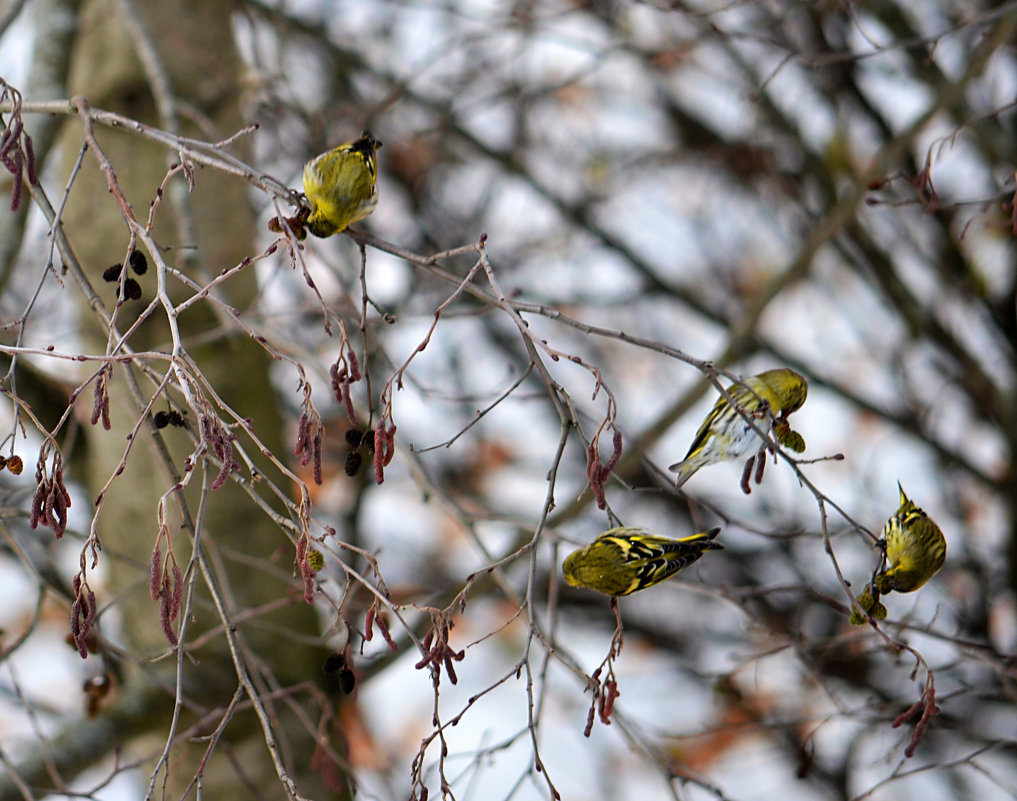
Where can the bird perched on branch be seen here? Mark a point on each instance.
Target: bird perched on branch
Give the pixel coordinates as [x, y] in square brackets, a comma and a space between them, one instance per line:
[915, 548]
[340, 185]
[725, 435]
[623, 560]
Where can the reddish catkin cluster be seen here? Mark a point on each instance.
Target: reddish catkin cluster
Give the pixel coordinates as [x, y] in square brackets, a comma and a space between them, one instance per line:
[597, 472]
[440, 653]
[51, 499]
[306, 569]
[166, 585]
[309, 438]
[82, 614]
[757, 460]
[602, 704]
[344, 372]
[222, 446]
[384, 448]
[373, 617]
[927, 706]
[100, 408]
[17, 154]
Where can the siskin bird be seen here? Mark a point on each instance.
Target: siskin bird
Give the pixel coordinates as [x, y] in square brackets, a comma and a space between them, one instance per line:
[726, 435]
[340, 185]
[623, 560]
[915, 548]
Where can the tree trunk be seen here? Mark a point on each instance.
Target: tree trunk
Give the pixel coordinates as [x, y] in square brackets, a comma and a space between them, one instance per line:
[215, 231]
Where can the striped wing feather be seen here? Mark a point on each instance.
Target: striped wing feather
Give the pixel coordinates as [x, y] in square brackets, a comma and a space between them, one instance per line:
[657, 558]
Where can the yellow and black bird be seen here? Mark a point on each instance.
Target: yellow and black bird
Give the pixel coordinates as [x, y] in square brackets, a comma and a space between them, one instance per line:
[341, 185]
[726, 435]
[623, 560]
[915, 548]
